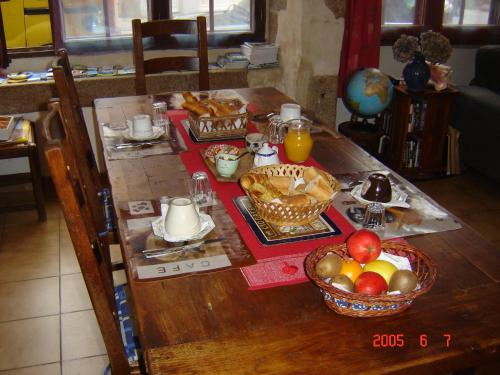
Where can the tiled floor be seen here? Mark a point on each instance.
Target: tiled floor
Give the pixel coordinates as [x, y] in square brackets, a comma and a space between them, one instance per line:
[47, 325]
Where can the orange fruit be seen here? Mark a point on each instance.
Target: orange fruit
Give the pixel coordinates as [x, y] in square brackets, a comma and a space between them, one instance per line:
[351, 269]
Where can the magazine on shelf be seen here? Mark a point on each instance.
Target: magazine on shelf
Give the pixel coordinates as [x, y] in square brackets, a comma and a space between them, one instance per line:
[260, 53]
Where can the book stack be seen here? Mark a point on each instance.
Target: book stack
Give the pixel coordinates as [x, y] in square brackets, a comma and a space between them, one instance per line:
[233, 60]
[260, 54]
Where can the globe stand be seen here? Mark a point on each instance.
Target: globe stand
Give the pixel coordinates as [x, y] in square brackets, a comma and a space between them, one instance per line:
[363, 133]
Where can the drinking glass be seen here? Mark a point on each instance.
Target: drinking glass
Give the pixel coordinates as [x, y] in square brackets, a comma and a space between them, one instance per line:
[374, 216]
[160, 117]
[199, 189]
[276, 130]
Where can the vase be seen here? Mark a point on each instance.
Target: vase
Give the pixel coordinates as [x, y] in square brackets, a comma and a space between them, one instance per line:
[416, 73]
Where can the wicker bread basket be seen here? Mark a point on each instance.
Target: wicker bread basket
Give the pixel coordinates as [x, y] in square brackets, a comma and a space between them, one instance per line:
[283, 214]
[362, 305]
[233, 125]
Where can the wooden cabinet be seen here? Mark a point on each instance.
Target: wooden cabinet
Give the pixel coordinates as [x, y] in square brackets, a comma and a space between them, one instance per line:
[415, 132]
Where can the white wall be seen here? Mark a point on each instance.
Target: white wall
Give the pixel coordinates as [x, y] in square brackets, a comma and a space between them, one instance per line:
[461, 62]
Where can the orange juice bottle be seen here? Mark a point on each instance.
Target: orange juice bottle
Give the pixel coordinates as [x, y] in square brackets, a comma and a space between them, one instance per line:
[298, 141]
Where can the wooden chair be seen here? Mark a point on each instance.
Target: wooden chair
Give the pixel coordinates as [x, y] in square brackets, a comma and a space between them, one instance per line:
[77, 135]
[91, 251]
[164, 28]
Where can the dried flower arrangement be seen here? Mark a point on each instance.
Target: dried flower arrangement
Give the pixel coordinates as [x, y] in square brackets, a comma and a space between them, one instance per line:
[435, 47]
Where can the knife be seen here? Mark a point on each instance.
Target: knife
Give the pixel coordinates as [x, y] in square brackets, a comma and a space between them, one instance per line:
[124, 146]
[196, 246]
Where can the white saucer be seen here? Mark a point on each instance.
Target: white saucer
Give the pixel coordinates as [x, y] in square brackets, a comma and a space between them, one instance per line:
[157, 133]
[207, 224]
[398, 198]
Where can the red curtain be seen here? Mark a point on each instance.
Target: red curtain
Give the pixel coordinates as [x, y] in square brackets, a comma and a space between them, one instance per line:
[361, 42]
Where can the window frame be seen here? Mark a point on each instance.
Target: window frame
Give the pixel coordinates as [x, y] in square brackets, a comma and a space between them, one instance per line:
[429, 16]
[159, 9]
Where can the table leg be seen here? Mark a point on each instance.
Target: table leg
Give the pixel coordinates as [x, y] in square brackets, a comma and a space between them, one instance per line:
[36, 180]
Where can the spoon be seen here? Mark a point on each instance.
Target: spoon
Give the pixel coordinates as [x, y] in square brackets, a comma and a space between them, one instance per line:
[239, 157]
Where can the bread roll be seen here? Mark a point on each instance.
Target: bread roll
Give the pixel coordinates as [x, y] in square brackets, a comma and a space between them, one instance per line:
[318, 190]
[282, 183]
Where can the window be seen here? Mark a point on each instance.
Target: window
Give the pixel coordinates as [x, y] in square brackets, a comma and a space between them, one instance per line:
[104, 25]
[462, 21]
[93, 19]
[225, 15]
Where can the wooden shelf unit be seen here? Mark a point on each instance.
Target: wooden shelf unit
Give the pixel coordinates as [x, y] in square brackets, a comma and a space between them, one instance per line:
[416, 127]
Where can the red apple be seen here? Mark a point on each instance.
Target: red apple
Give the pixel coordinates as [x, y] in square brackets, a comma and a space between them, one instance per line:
[364, 245]
[370, 283]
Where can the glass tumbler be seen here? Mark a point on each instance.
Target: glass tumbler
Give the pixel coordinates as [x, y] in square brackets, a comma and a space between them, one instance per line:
[374, 216]
[199, 189]
[160, 117]
[276, 130]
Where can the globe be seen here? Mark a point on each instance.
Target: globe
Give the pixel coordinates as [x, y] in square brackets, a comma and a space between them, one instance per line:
[368, 92]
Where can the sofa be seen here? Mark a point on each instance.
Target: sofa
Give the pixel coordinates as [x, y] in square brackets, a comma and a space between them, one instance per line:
[475, 114]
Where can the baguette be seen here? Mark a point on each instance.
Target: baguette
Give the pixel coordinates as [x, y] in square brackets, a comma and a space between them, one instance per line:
[197, 108]
[296, 200]
[311, 173]
[283, 183]
[299, 189]
[221, 109]
[315, 174]
[317, 189]
[189, 98]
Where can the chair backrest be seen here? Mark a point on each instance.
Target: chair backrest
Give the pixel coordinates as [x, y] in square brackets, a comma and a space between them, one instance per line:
[76, 134]
[159, 28]
[91, 251]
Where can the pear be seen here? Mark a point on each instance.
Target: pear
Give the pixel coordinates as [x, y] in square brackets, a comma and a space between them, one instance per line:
[329, 266]
[403, 280]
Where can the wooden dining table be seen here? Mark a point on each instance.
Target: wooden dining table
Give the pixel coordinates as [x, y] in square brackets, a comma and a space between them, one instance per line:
[212, 323]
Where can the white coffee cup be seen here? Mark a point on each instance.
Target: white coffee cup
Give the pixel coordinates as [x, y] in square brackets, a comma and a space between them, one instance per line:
[289, 111]
[141, 126]
[182, 218]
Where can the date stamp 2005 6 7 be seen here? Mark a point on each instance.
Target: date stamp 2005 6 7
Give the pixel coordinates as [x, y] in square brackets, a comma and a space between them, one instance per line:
[397, 340]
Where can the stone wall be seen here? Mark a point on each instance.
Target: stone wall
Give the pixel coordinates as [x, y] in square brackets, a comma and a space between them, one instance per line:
[309, 35]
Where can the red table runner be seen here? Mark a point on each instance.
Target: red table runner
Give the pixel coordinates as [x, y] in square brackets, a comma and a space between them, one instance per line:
[226, 191]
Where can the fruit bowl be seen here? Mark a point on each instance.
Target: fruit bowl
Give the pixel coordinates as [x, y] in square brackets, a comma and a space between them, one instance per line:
[362, 305]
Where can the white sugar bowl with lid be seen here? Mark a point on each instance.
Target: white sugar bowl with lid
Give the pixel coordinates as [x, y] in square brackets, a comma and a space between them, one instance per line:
[266, 155]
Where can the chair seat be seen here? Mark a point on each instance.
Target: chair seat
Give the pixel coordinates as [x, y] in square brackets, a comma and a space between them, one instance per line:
[130, 341]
